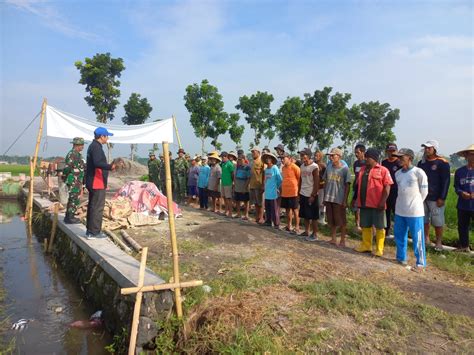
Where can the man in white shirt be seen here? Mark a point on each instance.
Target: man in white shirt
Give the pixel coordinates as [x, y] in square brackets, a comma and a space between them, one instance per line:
[409, 211]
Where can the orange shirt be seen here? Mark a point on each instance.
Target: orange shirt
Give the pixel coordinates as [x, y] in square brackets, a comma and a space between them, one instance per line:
[291, 177]
[379, 177]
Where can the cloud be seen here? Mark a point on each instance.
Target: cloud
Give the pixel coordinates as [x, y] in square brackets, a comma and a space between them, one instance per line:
[51, 18]
[433, 45]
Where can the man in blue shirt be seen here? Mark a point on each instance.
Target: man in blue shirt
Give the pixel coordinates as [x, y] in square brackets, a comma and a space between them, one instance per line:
[438, 171]
[464, 187]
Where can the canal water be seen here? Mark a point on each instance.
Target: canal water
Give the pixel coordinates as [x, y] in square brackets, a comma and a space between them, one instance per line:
[38, 290]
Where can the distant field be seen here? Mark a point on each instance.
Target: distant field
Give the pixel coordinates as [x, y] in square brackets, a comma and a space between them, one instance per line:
[16, 169]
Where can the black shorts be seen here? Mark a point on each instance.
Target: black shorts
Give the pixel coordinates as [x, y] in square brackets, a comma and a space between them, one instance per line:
[308, 211]
[289, 202]
[214, 194]
[241, 196]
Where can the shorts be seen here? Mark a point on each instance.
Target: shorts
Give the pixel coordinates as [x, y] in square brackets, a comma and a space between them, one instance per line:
[434, 214]
[214, 194]
[373, 217]
[192, 191]
[241, 196]
[336, 214]
[226, 191]
[308, 211]
[289, 202]
[256, 197]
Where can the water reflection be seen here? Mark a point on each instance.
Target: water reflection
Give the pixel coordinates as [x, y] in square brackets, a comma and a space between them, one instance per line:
[37, 289]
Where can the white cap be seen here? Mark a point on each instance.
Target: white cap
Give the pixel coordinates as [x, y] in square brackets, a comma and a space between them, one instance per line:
[431, 143]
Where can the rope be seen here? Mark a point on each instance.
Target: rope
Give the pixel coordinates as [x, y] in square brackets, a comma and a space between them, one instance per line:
[17, 138]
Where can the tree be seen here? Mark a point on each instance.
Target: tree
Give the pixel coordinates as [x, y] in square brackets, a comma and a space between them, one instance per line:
[206, 107]
[292, 122]
[326, 114]
[235, 130]
[99, 75]
[350, 128]
[137, 111]
[256, 109]
[378, 121]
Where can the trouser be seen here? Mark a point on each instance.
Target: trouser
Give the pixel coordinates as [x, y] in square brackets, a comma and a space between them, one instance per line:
[180, 188]
[464, 224]
[416, 227]
[73, 200]
[95, 211]
[392, 198]
[272, 212]
[322, 208]
[203, 197]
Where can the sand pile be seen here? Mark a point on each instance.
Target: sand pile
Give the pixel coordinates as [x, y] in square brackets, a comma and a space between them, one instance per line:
[126, 167]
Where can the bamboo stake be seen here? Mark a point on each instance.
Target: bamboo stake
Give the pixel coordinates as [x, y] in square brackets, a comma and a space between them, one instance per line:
[138, 304]
[174, 244]
[169, 286]
[131, 241]
[35, 160]
[30, 190]
[53, 229]
[118, 241]
[176, 130]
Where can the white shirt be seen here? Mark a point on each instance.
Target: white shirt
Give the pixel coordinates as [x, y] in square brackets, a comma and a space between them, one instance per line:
[412, 191]
[307, 180]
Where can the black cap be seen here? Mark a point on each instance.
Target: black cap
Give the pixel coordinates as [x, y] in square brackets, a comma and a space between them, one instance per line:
[372, 153]
[391, 147]
[280, 147]
[306, 151]
[223, 154]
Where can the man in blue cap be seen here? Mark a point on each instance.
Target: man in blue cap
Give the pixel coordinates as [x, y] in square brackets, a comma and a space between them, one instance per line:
[97, 172]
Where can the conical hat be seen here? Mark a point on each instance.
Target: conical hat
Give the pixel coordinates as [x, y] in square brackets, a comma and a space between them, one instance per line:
[470, 148]
[269, 155]
[214, 155]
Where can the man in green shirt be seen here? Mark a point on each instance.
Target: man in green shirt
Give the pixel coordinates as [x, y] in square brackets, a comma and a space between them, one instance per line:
[227, 181]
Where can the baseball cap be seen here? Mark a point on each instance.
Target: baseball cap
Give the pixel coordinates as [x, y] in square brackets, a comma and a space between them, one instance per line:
[431, 143]
[305, 151]
[335, 151]
[391, 147]
[257, 149]
[280, 147]
[224, 154]
[405, 151]
[102, 131]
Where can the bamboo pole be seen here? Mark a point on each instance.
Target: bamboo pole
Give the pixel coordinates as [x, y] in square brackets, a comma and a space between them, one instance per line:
[138, 304]
[30, 190]
[35, 160]
[53, 229]
[133, 243]
[176, 130]
[118, 241]
[168, 286]
[174, 244]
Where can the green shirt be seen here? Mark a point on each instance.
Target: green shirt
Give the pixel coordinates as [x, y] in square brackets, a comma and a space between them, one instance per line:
[227, 170]
[363, 187]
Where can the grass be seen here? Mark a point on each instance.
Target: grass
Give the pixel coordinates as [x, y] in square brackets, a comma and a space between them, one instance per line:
[16, 169]
[459, 264]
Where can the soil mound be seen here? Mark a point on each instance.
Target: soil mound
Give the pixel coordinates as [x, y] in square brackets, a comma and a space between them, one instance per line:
[126, 167]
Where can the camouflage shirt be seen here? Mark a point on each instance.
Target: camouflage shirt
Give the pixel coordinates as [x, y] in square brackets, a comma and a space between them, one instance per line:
[74, 170]
[181, 166]
[154, 167]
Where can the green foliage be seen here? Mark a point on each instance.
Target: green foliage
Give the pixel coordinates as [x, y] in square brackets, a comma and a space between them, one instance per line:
[119, 342]
[326, 114]
[16, 169]
[99, 74]
[292, 122]
[235, 130]
[378, 121]
[456, 161]
[206, 107]
[350, 128]
[258, 115]
[137, 110]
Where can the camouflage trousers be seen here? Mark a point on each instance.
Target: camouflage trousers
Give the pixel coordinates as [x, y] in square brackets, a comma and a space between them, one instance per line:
[74, 200]
[180, 183]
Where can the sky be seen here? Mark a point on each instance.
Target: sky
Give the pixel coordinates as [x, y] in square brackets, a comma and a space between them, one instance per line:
[415, 55]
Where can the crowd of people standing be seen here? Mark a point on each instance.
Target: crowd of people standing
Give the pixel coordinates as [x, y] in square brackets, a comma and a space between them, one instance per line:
[389, 197]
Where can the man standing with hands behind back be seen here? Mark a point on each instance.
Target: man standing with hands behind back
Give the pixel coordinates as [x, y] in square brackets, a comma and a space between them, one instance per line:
[97, 172]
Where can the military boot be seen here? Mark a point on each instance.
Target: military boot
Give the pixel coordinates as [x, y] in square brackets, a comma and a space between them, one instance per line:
[70, 219]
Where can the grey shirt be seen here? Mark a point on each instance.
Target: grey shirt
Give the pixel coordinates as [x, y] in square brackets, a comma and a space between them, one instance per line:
[214, 177]
[335, 181]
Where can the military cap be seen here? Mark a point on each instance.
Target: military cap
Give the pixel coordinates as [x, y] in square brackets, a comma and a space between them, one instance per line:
[78, 141]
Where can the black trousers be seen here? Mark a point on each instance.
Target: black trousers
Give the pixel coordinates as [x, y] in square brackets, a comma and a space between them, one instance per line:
[392, 198]
[203, 198]
[95, 211]
[464, 224]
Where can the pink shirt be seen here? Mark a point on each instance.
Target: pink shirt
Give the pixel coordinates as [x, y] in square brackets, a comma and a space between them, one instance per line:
[379, 177]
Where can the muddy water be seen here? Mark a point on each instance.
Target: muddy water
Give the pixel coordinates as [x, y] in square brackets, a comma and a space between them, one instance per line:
[36, 289]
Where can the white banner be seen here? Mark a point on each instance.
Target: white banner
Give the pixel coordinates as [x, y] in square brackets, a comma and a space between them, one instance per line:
[66, 125]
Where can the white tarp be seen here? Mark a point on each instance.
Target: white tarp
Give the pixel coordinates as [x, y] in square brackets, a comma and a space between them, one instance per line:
[66, 125]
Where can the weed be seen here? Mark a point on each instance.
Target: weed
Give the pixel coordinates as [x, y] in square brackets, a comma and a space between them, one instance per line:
[237, 281]
[456, 263]
[119, 342]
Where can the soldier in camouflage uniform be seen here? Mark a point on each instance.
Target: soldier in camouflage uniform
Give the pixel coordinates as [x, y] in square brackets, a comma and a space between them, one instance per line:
[181, 167]
[154, 169]
[162, 174]
[74, 178]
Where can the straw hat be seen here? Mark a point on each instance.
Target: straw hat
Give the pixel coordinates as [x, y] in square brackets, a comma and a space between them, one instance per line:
[214, 155]
[269, 155]
[469, 148]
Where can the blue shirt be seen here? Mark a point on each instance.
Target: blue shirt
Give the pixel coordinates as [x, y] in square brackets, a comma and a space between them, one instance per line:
[439, 175]
[464, 181]
[204, 172]
[242, 172]
[193, 175]
[273, 181]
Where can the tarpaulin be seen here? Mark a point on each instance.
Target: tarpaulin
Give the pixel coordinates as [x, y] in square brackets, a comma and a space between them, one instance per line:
[66, 125]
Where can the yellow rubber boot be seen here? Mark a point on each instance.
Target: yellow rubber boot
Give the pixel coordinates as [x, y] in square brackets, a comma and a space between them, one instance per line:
[366, 243]
[379, 242]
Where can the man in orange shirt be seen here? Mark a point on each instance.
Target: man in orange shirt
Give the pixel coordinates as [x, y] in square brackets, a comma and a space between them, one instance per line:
[289, 192]
[371, 193]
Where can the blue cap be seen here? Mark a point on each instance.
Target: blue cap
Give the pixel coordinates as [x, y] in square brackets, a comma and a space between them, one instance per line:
[102, 131]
